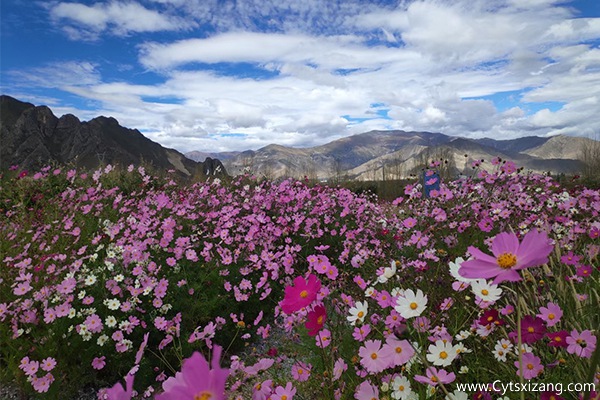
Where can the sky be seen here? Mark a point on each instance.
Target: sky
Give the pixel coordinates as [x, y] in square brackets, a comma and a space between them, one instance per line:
[233, 75]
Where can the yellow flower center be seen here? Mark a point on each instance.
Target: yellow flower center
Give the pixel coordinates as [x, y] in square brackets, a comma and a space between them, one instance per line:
[401, 388]
[360, 314]
[320, 320]
[374, 356]
[551, 316]
[530, 329]
[506, 260]
[203, 396]
[485, 292]
[413, 306]
[398, 349]
[529, 366]
[434, 379]
[284, 397]
[304, 294]
[443, 355]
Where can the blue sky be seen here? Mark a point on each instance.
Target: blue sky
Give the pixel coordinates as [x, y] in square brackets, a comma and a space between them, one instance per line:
[218, 75]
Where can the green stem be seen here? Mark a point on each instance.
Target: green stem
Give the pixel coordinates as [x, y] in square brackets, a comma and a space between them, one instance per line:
[519, 351]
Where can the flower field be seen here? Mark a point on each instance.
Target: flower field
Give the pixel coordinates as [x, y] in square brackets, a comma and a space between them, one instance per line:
[144, 288]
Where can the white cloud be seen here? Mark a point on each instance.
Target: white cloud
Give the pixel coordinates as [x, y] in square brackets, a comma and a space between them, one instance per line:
[427, 62]
[58, 74]
[115, 17]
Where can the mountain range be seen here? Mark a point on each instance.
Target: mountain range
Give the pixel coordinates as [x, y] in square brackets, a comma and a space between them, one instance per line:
[377, 155]
[32, 137]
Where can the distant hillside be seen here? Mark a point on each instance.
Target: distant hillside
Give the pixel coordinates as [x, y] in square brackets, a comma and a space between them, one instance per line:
[395, 154]
[32, 137]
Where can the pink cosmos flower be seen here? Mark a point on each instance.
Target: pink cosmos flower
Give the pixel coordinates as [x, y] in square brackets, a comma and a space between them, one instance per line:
[301, 294]
[98, 362]
[339, 368]
[41, 385]
[316, 320]
[301, 371]
[48, 364]
[361, 333]
[323, 338]
[435, 376]
[93, 323]
[262, 390]
[373, 358]
[197, 379]
[31, 368]
[550, 314]
[117, 392]
[401, 350]
[366, 391]
[582, 344]
[532, 366]
[509, 256]
[284, 393]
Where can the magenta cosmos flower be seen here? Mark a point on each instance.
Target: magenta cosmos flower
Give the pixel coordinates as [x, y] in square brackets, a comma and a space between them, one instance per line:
[316, 320]
[301, 294]
[197, 380]
[532, 329]
[509, 256]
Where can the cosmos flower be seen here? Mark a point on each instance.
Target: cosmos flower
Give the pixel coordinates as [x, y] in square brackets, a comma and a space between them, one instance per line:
[509, 256]
[301, 294]
[366, 391]
[532, 329]
[411, 304]
[532, 366]
[582, 344]
[374, 358]
[551, 314]
[441, 353]
[358, 312]
[315, 320]
[284, 393]
[197, 380]
[558, 339]
[433, 377]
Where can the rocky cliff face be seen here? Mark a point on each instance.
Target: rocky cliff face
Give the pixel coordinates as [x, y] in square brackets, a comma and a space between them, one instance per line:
[32, 137]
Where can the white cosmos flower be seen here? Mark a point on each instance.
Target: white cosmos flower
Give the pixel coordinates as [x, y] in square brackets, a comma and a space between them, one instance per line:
[388, 272]
[358, 312]
[112, 304]
[441, 353]
[411, 304]
[90, 280]
[111, 321]
[454, 267]
[401, 388]
[457, 395]
[486, 291]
